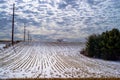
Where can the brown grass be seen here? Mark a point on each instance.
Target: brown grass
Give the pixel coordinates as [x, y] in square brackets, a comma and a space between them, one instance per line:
[63, 79]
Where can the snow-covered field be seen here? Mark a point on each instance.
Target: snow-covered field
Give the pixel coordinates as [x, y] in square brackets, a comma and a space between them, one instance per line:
[53, 60]
[1, 46]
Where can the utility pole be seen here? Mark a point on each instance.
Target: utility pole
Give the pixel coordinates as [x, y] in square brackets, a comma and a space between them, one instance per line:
[28, 36]
[24, 32]
[13, 24]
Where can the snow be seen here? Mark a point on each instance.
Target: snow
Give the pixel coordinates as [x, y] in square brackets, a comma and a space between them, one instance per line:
[53, 60]
[1, 46]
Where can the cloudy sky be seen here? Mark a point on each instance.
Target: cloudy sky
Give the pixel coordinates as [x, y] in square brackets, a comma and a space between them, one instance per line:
[72, 20]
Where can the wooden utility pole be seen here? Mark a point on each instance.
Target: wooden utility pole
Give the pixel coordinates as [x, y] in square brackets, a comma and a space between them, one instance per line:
[24, 32]
[13, 24]
[28, 36]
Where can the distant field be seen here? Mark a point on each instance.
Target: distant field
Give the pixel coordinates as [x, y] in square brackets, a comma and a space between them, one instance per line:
[3, 43]
[46, 60]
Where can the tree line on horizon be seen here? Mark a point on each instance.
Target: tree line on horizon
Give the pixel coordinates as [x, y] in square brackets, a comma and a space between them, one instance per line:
[105, 46]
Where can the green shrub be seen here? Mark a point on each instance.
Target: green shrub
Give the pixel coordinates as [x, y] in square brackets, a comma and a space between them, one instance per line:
[105, 46]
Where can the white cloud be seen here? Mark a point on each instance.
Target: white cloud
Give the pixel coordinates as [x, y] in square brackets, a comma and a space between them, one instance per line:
[27, 0]
[38, 30]
[76, 20]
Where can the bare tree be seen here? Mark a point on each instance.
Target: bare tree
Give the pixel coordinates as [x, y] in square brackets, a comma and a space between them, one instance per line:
[60, 40]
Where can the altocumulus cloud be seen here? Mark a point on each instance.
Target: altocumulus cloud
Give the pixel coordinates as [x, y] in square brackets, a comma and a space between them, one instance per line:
[72, 20]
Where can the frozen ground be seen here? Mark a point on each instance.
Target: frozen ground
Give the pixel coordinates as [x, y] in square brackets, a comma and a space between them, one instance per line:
[53, 60]
[1, 46]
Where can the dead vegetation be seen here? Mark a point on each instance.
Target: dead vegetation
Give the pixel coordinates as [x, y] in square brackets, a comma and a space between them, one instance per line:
[64, 79]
